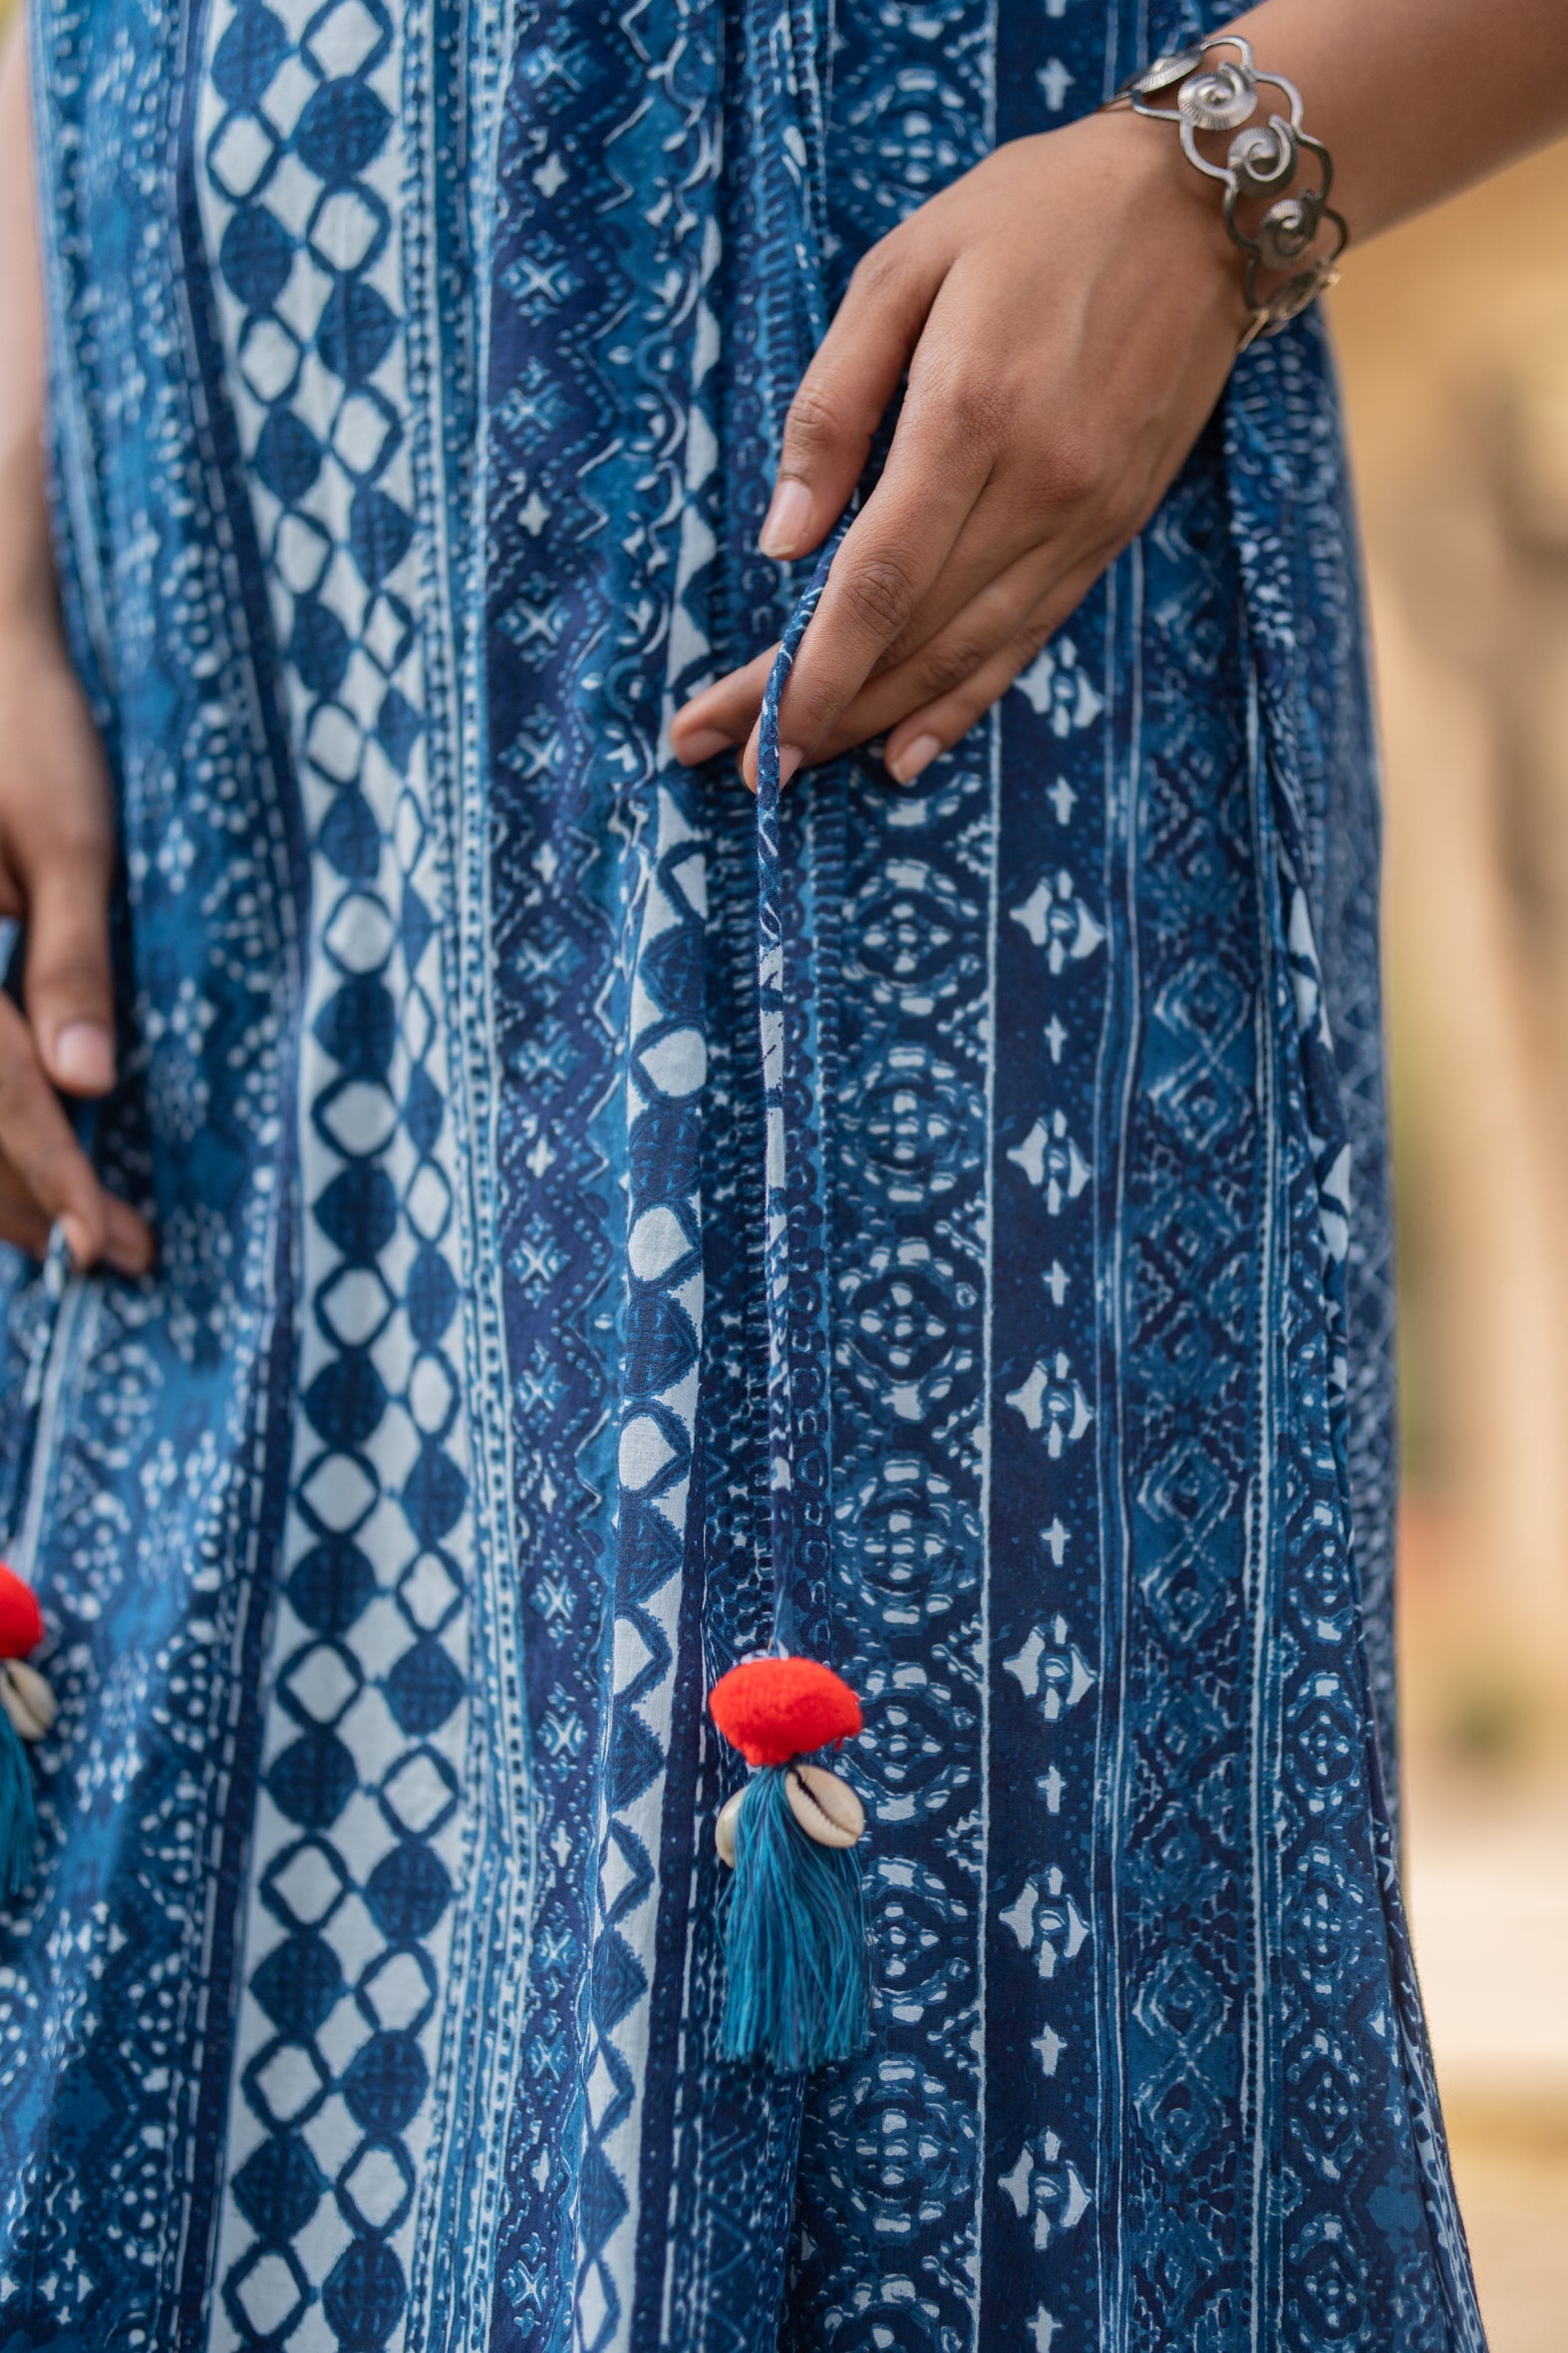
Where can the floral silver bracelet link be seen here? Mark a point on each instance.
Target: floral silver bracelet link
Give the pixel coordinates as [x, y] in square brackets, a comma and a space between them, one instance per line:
[1261, 163]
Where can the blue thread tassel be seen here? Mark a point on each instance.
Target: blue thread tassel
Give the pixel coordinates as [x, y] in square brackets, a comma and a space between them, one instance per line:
[18, 1812]
[794, 1939]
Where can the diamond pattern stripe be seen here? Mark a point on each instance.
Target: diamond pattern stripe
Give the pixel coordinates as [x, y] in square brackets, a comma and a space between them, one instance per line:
[360, 1823]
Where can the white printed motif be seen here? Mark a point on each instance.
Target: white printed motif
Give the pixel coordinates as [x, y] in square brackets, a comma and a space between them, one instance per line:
[360, 1820]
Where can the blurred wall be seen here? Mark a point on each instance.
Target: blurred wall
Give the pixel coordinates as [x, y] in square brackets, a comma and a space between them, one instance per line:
[1453, 335]
[1453, 342]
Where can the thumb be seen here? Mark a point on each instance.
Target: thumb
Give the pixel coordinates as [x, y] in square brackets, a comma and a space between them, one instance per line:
[68, 984]
[844, 392]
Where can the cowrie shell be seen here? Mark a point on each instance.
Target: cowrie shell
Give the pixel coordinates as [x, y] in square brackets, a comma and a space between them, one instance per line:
[724, 1828]
[27, 1699]
[827, 1808]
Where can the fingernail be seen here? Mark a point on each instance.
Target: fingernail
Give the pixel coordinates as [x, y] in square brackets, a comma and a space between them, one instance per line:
[84, 1058]
[789, 761]
[703, 743]
[78, 1241]
[915, 757]
[789, 519]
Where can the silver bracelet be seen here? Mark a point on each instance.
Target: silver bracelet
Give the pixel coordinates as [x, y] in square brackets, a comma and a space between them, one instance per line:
[1261, 163]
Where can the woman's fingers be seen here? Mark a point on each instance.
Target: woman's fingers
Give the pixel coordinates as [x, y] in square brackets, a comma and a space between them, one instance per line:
[988, 629]
[968, 646]
[890, 556]
[23, 1223]
[21, 1219]
[1009, 536]
[955, 425]
[936, 694]
[57, 859]
[128, 1238]
[987, 564]
[38, 1146]
[1052, 397]
[723, 714]
[948, 579]
[922, 735]
[969, 612]
[66, 982]
[844, 392]
[59, 856]
[45, 1159]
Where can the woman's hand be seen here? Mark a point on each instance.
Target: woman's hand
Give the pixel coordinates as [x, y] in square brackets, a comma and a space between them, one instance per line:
[57, 859]
[1067, 314]
[57, 838]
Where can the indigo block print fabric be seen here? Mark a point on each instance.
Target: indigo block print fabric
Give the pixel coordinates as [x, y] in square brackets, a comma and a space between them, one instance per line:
[418, 370]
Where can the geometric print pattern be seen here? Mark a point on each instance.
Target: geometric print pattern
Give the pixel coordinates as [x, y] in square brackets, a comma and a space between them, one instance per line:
[654, 1471]
[360, 1823]
[418, 371]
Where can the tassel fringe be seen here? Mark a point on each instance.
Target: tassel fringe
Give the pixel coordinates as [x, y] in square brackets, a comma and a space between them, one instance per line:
[794, 1939]
[18, 1814]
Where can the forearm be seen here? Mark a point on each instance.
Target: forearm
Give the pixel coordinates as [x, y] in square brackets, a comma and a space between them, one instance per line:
[26, 566]
[1416, 99]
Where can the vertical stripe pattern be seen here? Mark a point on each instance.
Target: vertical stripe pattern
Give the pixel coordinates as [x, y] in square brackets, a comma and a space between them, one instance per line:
[420, 372]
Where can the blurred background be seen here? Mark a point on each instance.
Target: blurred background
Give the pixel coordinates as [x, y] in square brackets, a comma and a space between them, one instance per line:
[1453, 344]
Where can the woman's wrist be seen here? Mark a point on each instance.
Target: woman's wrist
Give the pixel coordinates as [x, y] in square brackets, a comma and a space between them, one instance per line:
[1173, 222]
[1413, 97]
[1242, 134]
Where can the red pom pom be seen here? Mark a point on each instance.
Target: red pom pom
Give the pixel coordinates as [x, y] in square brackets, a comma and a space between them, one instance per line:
[773, 1709]
[21, 1619]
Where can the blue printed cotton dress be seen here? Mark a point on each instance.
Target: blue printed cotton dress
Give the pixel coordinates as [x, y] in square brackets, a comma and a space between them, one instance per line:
[418, 370]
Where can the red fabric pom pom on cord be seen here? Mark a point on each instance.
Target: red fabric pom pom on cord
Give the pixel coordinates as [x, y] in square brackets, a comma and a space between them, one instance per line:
[21, 1619]
[773, 1709]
